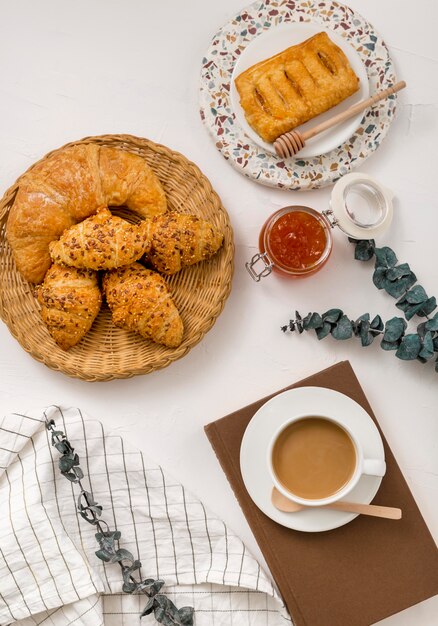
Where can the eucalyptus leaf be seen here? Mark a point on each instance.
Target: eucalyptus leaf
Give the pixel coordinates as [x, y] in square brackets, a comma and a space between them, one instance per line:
[427, 351]
[103, 555]
[343, 329]
[312, 321]
[124, 555]
[79, 473]
[357, 325]
[432, 324]
[165, 611]
[56, 433]
[366, 338]
[394, 329]
[389, 345]
[409, 348]
[379, 276]
[106, 542]
[416, 295]
[186, 615]
[70, 476]
[322, 332]
[96, 509]
[332, 315]
[298, 322]
[398, 287]
[151, 586]
[385, 257]
[421, 330]
[148, 608]
[65, 464]
[62, 447]
[393, 273]
[364, 250]
[377, 323]
[427, 307]
[129, 587]
[410, 310]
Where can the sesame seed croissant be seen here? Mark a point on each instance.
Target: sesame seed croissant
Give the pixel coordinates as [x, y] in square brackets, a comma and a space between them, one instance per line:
[140, 301]
[101, 242]
[179, 240]
[69, 186]
[70, 300]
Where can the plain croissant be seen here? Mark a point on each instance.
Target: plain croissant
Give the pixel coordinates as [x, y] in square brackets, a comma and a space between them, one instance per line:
[140, 302]
[101, 242]
[68, 187]
[179, 240]
[70, 300]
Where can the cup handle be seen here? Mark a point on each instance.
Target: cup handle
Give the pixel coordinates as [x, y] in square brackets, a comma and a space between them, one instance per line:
[374, 467]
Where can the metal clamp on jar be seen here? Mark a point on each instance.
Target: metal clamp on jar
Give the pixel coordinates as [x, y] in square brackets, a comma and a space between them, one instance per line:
[297, 241]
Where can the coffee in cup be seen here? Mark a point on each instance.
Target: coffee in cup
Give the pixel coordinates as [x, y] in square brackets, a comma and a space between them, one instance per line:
[314, 458]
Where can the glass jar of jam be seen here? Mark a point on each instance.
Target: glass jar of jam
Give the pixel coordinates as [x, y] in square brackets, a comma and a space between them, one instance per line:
[297, 240]
[294, 241]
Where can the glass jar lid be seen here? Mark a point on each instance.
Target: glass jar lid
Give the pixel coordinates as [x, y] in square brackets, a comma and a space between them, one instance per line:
[361, 206]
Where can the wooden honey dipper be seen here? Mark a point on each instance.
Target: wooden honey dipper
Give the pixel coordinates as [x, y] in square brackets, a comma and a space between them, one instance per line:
[290, 143]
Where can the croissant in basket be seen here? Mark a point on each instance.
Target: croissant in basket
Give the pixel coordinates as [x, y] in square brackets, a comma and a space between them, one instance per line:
[140, 302]
[101, 242]
[179, 240]
[70, 300]
[68, 187]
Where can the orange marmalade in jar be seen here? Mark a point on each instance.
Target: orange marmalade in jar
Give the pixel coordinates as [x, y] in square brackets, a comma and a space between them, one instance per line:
[294, 241]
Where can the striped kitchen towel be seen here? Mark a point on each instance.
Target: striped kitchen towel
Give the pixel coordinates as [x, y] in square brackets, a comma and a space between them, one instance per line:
[48, 571]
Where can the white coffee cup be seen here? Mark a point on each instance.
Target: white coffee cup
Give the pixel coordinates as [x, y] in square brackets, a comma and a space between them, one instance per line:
[370, 467]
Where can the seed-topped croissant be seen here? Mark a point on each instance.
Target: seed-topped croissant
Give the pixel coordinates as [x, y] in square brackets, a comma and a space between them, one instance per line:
[101, 242]
[140, 302]
[70, 300]
[68, 187]
[179, 240]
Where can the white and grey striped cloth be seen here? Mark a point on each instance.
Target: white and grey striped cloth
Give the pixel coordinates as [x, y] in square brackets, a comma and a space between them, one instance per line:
[48, 571]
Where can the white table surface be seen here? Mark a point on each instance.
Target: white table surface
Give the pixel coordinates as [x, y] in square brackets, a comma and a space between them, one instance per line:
[71, 69]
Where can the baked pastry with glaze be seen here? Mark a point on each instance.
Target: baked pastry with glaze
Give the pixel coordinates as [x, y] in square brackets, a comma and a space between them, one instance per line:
[140, 301]
[68, 187]
[101, 242]
[179, 240]
[70, 300]
[295, 85]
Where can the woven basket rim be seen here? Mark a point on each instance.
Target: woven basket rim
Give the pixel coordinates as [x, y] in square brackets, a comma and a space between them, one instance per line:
[126, 142]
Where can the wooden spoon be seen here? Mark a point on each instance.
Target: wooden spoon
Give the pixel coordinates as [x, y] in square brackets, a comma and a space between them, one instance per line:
[290, 143]
[284, 504]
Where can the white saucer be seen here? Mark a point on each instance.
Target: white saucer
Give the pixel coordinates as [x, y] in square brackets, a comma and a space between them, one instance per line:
[261, 429]
[279, 38]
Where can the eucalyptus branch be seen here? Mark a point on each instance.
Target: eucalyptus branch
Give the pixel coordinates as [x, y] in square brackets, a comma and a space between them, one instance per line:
[165, 612]
[397, 279]
[421, 345]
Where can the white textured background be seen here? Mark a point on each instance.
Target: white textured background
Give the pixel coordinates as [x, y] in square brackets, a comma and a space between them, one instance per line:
[71, 69]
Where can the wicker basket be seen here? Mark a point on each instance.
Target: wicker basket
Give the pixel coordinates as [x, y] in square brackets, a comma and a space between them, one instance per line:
[200, 291]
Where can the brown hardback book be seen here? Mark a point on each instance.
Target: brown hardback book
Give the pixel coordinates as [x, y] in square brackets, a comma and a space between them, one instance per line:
[355, 575]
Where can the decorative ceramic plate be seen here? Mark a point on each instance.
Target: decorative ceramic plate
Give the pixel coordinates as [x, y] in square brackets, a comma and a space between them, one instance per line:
[219, 115]
[267, 421]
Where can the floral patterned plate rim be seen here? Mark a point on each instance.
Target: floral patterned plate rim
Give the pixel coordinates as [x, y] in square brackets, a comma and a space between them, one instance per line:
[219, 118]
